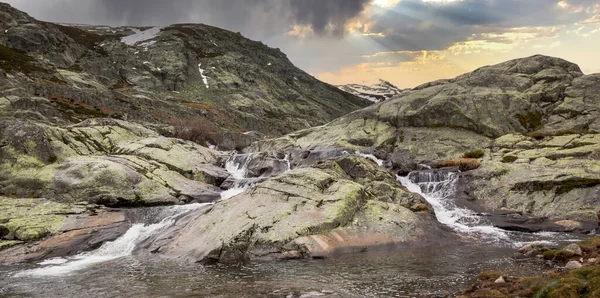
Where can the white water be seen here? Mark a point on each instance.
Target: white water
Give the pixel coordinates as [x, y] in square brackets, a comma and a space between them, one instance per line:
[237, 166]
[438, 188]
[121, 247]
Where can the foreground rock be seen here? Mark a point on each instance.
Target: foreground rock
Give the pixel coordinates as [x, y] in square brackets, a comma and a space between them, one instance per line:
[35, 229]
[341, 205]
[535, 121]
[104, 161]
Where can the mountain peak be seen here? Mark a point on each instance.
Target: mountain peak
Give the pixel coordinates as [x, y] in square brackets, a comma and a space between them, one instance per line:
[379, 92]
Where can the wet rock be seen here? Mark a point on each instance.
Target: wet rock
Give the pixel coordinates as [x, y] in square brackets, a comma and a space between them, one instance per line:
[569, 225]
[531, 249]
[571, 265]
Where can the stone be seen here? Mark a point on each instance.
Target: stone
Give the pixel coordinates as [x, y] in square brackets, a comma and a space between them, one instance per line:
[592, 261]
[500, 280]
[569, 225]
[571, 265]
[574, 248]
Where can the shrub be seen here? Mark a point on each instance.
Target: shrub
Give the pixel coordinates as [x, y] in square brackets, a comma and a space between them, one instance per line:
[474, 154]
[198, 130]
[464, 164]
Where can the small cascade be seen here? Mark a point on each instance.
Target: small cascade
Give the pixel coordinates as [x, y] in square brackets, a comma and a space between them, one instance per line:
[237, 165]
[121, 247]
[438, 188]
[372, 157]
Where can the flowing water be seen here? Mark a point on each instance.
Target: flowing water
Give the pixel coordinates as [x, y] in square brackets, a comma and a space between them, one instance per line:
[434, 271]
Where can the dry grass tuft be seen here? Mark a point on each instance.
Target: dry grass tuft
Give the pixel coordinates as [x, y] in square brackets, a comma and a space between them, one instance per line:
[464, 164]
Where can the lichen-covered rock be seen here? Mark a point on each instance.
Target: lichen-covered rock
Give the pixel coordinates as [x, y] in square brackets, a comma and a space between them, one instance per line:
[33, 219]
[558, 177]
[33, 229]
[335, 206]
[105, 161]
[535, 118]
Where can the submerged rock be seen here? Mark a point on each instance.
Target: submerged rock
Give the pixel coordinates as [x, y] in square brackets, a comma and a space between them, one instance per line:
[340, 205]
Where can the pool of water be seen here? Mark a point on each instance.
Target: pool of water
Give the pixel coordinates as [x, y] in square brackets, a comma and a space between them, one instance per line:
[437, 271]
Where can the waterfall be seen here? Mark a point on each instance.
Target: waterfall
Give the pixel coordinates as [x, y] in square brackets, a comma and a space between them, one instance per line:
[121, 247]
[438, 189]
[237, 165]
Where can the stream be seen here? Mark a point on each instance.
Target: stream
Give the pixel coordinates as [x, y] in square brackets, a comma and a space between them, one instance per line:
[412, 271]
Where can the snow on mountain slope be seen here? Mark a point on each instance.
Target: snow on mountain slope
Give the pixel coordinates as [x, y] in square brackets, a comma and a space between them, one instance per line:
[375, 93]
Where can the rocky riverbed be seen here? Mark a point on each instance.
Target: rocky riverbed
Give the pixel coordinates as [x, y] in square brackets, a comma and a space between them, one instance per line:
[193, 170]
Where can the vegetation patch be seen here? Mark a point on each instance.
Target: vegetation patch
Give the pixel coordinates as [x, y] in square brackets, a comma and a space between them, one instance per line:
[474, 154]
[15, 60]
[531, 120]
[539, 135]
[199, 130]
[509, 158]
[582, 282]
[87, 39]
[464, 164]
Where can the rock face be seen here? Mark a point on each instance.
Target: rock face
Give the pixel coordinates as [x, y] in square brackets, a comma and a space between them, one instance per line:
[535, 119]
[338, 205]
[178, 78]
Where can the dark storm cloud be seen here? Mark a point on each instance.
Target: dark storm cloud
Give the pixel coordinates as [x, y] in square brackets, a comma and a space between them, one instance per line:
[413, 25]
[320, 14]
[258, 18]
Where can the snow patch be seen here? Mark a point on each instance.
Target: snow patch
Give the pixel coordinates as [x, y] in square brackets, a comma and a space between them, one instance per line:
[204, 78]
[140, 36]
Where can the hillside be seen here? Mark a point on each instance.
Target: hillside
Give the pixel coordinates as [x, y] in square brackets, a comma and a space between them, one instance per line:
[172, 78]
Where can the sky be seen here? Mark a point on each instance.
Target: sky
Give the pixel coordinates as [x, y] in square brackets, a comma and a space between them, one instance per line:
[406, 42]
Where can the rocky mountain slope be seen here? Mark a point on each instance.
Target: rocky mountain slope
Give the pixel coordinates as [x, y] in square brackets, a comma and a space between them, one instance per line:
[536, 122]
[177, 77]
[382, 91]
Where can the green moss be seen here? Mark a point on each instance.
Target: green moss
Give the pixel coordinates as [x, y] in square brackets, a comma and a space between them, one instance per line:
[489, 275]
[549, 254]
[488, 293]
[474, 154]
[568, 287]
[15, 60]
[531, 120]
[509, 158]
[568, 185]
